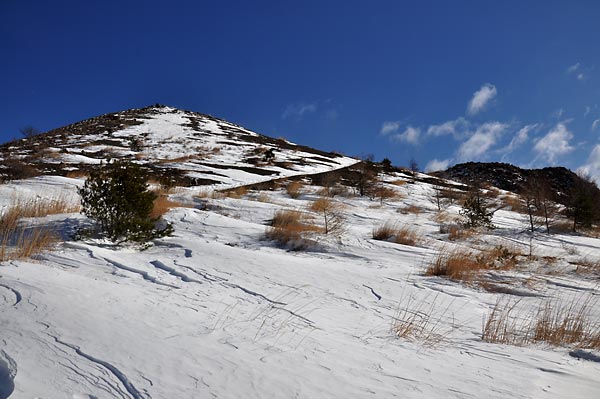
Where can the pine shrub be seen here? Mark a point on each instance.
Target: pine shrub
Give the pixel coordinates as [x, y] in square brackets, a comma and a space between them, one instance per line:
[117, 198]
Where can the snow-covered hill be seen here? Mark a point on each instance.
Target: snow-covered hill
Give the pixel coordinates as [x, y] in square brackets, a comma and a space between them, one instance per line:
[185, 147]
[219, 311]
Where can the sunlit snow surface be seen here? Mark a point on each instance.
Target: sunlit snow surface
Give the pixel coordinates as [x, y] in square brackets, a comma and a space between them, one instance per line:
[200, 146]
[217, 311]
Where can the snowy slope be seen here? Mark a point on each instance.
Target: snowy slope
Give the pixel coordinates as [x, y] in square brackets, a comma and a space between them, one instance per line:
[190, 147]
[218, 311]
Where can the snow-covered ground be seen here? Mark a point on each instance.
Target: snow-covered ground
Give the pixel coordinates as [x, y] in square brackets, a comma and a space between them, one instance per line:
[194, 145]
[218, 311]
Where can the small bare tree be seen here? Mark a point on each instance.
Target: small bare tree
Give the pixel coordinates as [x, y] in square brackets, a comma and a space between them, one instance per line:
[531, 203]
[332, 213]
[29, 131]
[364, 178]
[382, 193]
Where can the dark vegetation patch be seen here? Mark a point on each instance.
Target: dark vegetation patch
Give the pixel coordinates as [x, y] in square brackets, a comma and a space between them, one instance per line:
[562, 181]
[248, 169]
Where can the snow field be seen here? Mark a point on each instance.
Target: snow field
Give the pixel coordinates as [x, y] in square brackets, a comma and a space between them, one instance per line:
[217, 311]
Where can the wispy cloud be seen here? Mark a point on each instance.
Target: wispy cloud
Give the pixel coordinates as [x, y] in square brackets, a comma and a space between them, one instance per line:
[595, 124]
[579, 71]
[299, 110]
[592, 165]
[573, 68]
[457, 128]
[481, 98]
[590, 109]
[519, 139]
[554, 144]
[389, 127]
[484, 138]
[411, 135]
[436, 164]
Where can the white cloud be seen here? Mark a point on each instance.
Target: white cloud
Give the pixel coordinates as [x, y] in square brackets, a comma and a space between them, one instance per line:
[573, 68]
[481, 141]
[595, 124]
[579, 71]
[389, 127]
[588, 109]
[520, 138]
[457, 128]
[481, 98]
[411, 135]
[436, 164]
[555, 143]
[592, 166]
[298, 111]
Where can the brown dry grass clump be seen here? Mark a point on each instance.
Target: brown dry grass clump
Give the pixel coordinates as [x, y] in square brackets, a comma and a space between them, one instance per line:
[464, 265]
[419, 321]
[162, 204]
[404, 235]
[384, 232]
[457, 264]
[412, 209]
[294, 189]
[35, 208]
[20, 240]
[398, 182]
[183, 158]
[587, 266]
[236, 193]
[77, 174]
[386, 193]
[335, 190]
[562, 227]
[456, 232]
[289, 227]
[513, 203]
[555, 322]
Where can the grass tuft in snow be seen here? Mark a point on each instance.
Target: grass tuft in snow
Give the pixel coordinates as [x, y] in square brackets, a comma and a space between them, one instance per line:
[405, 235]
[418, 320]
[289, 228]
[556, 322]
[20, 240]
[294, 189]
[463, 265]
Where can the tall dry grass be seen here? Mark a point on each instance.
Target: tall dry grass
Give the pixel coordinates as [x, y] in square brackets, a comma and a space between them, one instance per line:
[405, 234]
[418, 320]
[464, 265]
[19, 239]
[289, 228]
[294, 189]
[557, 322]
[163, 204]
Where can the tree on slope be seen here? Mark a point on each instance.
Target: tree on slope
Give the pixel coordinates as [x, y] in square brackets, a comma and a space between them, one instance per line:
[116, 196]
[475, 210]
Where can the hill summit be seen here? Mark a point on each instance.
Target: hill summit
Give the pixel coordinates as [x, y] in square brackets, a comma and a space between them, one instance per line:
[178, 147]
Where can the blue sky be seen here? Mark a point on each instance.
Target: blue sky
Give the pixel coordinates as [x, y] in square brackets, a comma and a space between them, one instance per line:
[438, 81]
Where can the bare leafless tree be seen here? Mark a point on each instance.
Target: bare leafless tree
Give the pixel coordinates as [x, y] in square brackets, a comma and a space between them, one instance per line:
[29, 131]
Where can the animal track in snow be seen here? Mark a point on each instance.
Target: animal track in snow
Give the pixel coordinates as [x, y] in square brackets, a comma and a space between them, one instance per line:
[8, 299]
